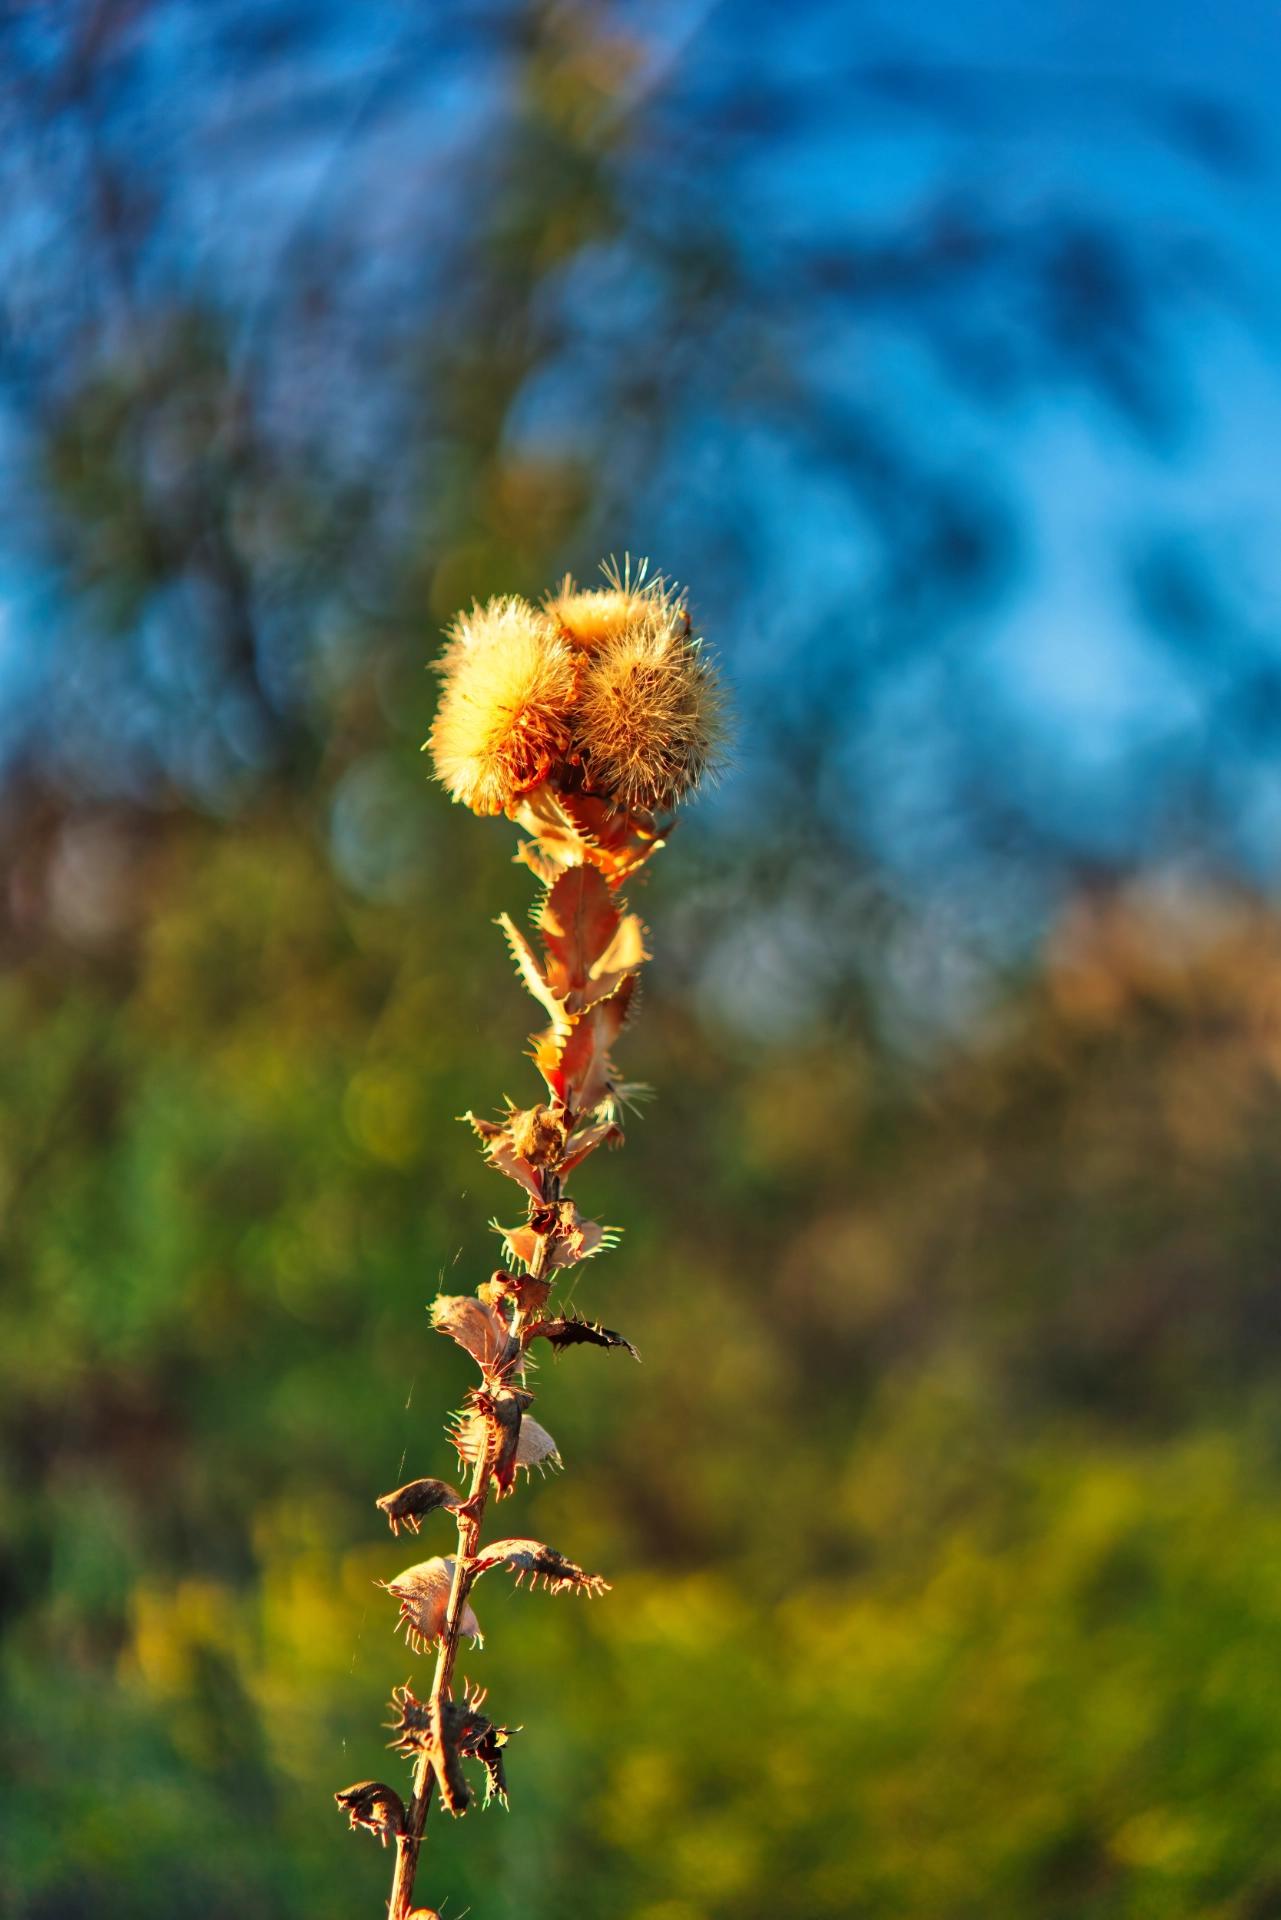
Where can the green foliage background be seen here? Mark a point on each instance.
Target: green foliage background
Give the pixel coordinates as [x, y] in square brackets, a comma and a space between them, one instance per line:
[942, 1512]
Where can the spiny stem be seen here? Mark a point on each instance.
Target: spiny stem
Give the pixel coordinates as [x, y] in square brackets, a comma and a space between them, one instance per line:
[470, 1515]
[409, 1843]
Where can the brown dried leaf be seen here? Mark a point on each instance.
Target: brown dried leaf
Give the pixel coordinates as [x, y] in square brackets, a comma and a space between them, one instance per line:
[531, 972]
[529, 1294]
[540, 1562]
[479, 1329]
[625, 953]
[534, 1445]
[501, 1151]
[488, 1749]
[572, 829]
[492, 1424]
[573, 1332]
[412, 1726]
[557, 1237]
[585, 1069]
[557, 842]
[423, 1593]
[612, 838]
[370, 1803]
[590, 948]
[586, 1141]
[410, 1504]
[578, 922]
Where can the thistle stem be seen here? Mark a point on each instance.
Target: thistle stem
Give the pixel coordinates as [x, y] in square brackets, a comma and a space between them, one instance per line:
[470, 1515]
[409, 1843]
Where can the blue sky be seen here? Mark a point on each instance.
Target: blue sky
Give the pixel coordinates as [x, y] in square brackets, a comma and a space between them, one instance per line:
[1159, 119]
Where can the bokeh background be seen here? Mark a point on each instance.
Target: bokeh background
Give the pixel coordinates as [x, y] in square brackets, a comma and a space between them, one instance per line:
[938, 350]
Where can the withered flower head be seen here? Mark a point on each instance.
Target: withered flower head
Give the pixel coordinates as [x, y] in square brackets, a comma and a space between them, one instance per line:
[604, 693]
[509, 686]
[589, 616]
[649, 715]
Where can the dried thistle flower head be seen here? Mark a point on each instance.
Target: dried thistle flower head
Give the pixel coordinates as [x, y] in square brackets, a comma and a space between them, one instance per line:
[503, 721]
[649, 715]
[589, 616]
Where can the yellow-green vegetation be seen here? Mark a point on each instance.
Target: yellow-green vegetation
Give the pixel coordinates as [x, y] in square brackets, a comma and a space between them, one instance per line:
[943, 1515]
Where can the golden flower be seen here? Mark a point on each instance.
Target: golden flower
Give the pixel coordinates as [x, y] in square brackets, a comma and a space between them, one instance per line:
[503, 720]
[649, 713]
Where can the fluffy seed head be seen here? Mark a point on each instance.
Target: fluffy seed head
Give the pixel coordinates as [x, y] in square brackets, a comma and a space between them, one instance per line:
[503, 720]
[590, 617]
[649, 715]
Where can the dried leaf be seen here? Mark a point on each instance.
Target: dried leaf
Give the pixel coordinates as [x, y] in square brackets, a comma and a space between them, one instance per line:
[557, 842]
[530, 970]
[369, 1803]
[423, 1593]
[502, 1152]
[557, 1237]
[571, 1331]
[536, 1448]
[578, 921]
[467, 1731]
[410, 1504]
[583, 1062]
[529, 1294]
[612, 838]
[488, 1749]
[590, 948]
[540, 1562]
[412, 1726]
[572, 829]
[586, 1140]
[534, 1445]
[479, 1329]
[492, 1425]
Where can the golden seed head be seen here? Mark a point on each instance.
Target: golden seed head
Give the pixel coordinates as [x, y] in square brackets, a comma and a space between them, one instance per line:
[589, 617]
[649, 715]
[509, 688]
[606, 689]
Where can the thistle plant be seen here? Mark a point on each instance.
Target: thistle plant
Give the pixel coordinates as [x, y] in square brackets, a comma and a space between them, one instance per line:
[586, 720]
